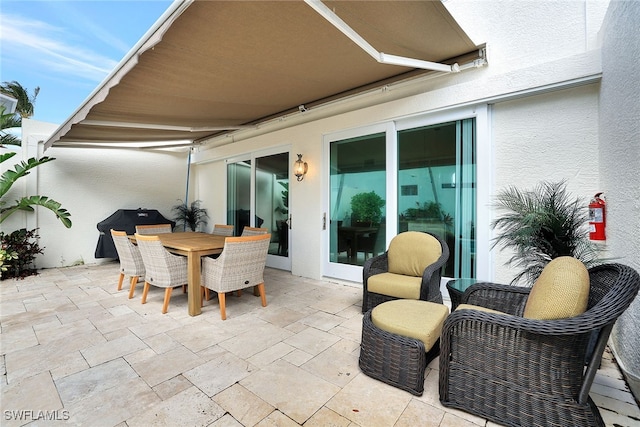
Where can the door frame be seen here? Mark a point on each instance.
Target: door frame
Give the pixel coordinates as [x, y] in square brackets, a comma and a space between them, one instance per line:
[275, 261]
[484, 182]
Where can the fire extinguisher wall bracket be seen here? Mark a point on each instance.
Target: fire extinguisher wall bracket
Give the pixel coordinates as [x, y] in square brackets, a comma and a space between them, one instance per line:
[597, 218]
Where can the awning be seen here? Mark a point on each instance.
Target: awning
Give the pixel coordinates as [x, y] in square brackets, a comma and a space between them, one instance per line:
[211, 67]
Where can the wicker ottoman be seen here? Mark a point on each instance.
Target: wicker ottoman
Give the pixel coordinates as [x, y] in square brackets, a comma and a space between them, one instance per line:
[399, 339]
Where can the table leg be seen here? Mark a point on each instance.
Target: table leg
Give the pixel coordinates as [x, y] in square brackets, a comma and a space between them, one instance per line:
[194, 292]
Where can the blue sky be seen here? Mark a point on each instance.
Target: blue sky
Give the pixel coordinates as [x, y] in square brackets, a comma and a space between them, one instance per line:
[68, 47]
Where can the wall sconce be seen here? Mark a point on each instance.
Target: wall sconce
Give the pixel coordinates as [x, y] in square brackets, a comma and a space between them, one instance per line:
[300, 168]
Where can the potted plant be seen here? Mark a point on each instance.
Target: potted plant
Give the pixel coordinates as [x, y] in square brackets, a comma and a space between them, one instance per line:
[540, 225]
[191, 217]
[366, 208]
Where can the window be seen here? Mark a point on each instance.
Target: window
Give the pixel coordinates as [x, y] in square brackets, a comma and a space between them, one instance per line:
[408, 190]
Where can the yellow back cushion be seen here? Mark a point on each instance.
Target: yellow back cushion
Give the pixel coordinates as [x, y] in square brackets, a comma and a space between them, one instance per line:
[561, 291]
[412, 251]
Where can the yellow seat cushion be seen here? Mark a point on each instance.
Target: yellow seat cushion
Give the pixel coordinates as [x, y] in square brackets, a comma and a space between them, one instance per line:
[416, 319]
[395, 285]
[411, 252]
[561, 291]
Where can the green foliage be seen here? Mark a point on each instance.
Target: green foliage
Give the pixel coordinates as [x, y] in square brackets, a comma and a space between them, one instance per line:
[26, 102]
[8, 121]
[22, 245]
[9, 177]
[540, 225]
[430, 210]
[192, 217]
[6, 256]
[367, 207]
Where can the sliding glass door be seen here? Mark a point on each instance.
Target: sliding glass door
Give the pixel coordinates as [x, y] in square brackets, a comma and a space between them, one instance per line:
[258, 196]
[357, 201]
[436, 188]
[413, 175]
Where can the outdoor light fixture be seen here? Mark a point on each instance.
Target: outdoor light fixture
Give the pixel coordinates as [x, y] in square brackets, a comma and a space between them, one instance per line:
[300, 168]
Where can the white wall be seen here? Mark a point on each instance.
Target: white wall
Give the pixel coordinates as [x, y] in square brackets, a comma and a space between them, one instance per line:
[620, 164]
[91, 184]
[548, 137]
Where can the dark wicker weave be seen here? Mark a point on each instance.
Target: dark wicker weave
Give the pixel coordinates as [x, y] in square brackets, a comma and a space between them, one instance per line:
[394, 359]
[524, 372]
[429, 289]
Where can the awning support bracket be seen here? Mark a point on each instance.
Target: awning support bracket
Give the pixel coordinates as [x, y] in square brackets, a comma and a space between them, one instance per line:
[381, 57]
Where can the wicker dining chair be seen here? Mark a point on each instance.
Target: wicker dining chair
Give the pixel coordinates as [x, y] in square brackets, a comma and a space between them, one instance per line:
[240, 265]
[163, 269]
[411, 269]
[519, 371]
[152, 229]
[130, 260]
[254, 231]
[223, 230]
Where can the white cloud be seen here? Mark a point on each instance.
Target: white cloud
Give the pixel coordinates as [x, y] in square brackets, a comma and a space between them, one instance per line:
[38, 44]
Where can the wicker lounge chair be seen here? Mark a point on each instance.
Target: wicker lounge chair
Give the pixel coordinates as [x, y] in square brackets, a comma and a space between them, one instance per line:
[519, 371]
[222, 230]
[414, 257]
[152, 229]
[240, 265]
[130, 260]
[163, 269]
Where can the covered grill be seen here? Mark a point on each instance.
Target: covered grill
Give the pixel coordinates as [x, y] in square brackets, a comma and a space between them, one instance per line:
[125, 220]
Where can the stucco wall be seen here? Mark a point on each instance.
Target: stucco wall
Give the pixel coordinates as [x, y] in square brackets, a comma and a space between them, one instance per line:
[92, 184]
[620, 163]
[548, 137]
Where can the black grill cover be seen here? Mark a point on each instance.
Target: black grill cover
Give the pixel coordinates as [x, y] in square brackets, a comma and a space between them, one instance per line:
[125, 220]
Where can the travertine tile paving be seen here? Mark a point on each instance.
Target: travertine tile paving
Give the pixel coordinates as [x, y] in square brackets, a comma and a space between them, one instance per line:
[75, 351]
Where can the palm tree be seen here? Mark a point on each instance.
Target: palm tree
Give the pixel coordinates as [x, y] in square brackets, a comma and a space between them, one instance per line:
[540, 225]
[26, 103]
[24, 109]
[8, 121]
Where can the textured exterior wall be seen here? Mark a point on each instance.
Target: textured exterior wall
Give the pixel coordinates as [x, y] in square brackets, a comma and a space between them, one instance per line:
[620, 164]
[548, 137]
[92, 184]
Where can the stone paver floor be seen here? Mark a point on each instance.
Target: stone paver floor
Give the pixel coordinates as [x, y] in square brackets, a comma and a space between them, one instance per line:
[75, 351]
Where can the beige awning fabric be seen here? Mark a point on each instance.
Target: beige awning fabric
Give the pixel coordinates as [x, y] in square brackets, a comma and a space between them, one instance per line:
[211, 67]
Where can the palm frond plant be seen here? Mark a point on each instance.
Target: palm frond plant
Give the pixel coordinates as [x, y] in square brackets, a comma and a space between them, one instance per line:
[26, 101]
[9, 177]
[190, 216]
[9, 121]
[540, 225]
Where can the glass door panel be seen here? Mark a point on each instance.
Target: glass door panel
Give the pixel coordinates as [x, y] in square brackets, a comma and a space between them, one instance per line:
[239, 195]
[265, 181]
[272, 200]
[357, 200]
[436, 188]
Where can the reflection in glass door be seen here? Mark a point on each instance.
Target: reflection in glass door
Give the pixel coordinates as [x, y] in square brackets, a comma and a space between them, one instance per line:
[436, 188]
[357, 200]
[267, 179]
[272, 200]
[239, 195]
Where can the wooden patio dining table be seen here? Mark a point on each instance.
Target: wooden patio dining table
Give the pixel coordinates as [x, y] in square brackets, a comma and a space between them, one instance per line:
[193, 245]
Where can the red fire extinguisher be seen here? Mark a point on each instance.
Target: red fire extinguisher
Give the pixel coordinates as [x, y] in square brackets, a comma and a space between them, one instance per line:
[597, 218]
